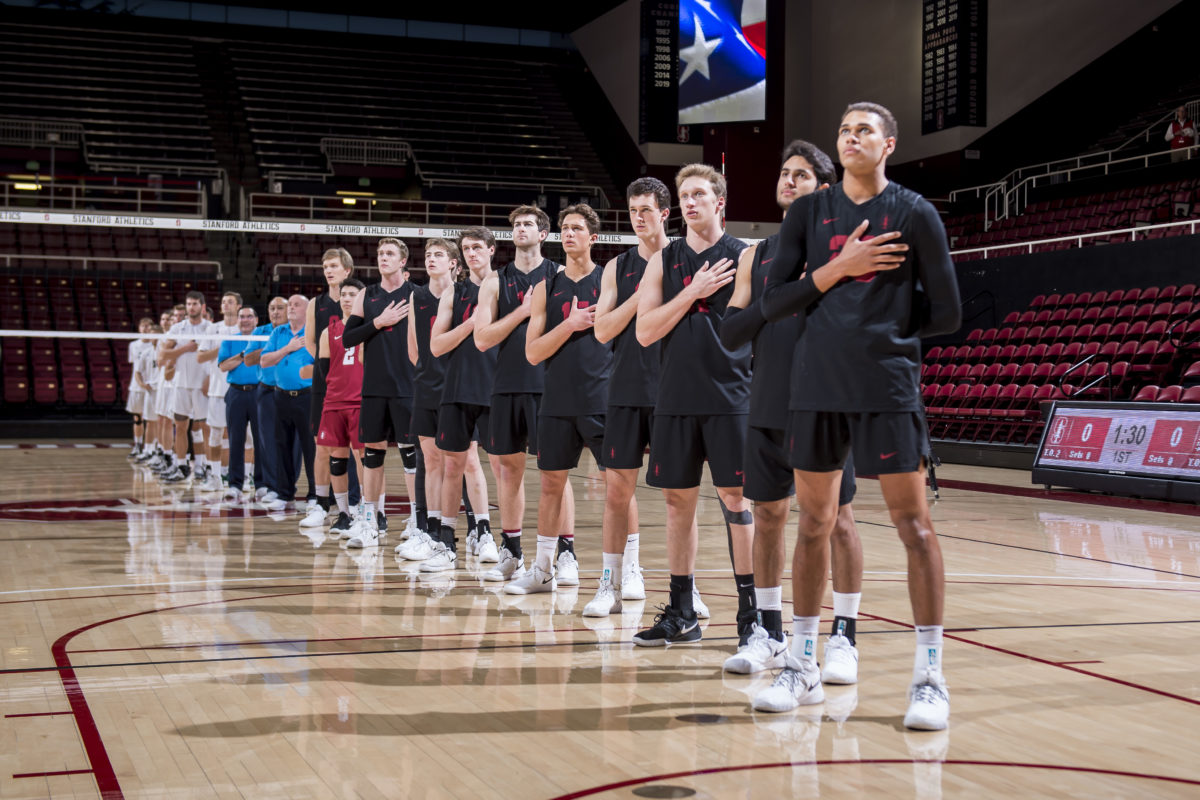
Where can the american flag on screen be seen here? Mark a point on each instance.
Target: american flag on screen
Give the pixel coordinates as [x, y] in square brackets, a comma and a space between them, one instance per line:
[722, 60]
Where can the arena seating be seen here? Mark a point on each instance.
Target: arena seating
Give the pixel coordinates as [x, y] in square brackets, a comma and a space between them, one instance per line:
[136, 95]
[1117, 345]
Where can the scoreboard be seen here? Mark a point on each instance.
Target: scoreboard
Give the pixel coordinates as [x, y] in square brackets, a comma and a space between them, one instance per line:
[1142, 449]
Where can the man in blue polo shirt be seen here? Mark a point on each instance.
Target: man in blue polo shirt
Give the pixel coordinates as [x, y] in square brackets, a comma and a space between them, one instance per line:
[286, 352]
[266, 454]
[241, 406]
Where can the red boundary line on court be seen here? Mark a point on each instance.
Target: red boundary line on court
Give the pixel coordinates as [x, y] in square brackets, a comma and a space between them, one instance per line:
[840, 762]
[52, 774]
[38, 714]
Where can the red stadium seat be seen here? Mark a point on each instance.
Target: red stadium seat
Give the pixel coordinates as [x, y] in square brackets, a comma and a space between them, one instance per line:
[1147, 394]
[1169, 394]
[1190, 395]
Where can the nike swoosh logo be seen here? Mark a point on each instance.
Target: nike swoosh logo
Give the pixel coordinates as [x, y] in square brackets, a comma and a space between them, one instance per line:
[630, 274]
[547, 580]
[886, 456]
[556, 294]
[677, 266]
[511, 283]
[338, 338]
[422, 307]
[827, 221]
[766, 261]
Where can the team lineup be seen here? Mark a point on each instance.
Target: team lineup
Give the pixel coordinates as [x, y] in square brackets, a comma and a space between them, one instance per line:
[784, 366]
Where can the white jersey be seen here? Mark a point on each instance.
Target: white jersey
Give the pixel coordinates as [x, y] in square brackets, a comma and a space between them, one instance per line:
[189, 372]
[146, 367]
[218, 381]
[136, 348]
[160, 372]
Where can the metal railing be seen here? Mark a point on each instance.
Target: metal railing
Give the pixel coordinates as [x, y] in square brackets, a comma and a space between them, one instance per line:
[23, 132]
[392, 211]
[366, 151]
[90, 262]
[1192, 107]
[1078, 239]
[164, 201]
[1079, 390]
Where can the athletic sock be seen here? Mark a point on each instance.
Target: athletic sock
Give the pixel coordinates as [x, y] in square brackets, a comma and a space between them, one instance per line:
[343, 501]
[929, 651]
[566, 543]
[381, 505]
[512, 541]
[369, 511]
[323, 497]
[433, 521]
[611, 565]
[745, 592]
[681, 594]
[546, 546]
[631, 548]
[770, 606]
[447, 538]
[805, 631]
[845, 613]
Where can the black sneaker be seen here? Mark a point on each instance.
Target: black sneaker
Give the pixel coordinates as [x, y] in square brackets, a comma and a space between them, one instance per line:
[342, 526]
[746, 620]
[382, 519]
[670, 627]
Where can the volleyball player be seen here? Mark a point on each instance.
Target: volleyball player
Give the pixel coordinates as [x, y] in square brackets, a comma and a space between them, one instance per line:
[190, 404]
[218, 384]
[135, 403]
[160, 462]
[703, 399]
[768, 479]
[632, 389]
[380, 320]
[337, 265]
[578, 367]
[338, 428]
[466, 390]
[429, 374]
[856, 385]
[505, 301]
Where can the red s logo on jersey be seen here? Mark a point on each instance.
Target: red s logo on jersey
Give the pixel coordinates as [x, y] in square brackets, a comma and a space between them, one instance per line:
[700, 305]
[566, 307]
[836, 243]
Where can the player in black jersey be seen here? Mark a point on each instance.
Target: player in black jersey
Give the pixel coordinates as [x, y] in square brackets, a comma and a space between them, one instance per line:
[337, 265]
[380, 320]
[703, 399]
[576, 390]
[505, 301]
[856, 384]
[769, 483]
[466, 390]
[631, 394]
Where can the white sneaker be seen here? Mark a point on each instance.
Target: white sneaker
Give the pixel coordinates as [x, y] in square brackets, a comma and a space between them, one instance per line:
[472, 541]
[759, 653]
[278, 505]
[485, 548]
[315, 519]
[310, 505]
[566, 570]
[698, 604]
[798, 684]
[841, 661]
[534, 581]
[260, 493]
[928, 704]
[418, 548]
[269, 496]
[232, 496]
[607, 601]
[364, 534]
[213, 482]
[508, 568]
[632, 585]
[442, 560]
[410, 529]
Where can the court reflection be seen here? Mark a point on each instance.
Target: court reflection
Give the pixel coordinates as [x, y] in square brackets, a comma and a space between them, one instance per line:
[1120, 542]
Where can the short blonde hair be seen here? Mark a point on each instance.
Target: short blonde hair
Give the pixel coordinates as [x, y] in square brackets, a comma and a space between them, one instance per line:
[400, 245]
[342, 255]
[702, 171]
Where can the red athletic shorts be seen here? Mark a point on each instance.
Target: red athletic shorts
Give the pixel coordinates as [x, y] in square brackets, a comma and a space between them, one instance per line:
[339, 428]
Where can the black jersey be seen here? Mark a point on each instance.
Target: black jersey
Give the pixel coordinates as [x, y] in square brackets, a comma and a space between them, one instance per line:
[469, 373]
[635, 368]
[774, 346]
[325, 308]
[578, 372]
[861, 349]
[514, 373]
[387, 372]
[699, 375]
[429, 373]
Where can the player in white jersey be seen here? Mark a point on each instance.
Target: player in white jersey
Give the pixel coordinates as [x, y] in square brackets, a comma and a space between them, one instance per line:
[217, 384]
[136, 401]
[163, 393]
[190, 403]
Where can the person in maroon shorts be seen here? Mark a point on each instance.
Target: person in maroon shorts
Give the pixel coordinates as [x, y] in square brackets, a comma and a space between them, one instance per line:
[343, 370]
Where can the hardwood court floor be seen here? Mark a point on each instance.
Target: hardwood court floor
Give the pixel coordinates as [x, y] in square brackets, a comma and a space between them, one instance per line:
[156, 645]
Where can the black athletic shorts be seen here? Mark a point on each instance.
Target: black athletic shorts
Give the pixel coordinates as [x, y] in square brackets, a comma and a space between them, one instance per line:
[563, 440]
[769, 476]
[458, 424]
[315, 410]
[626, 436]
[679, 446]
[884, 443]
[513, 425]
[385, 419]
[424, 422]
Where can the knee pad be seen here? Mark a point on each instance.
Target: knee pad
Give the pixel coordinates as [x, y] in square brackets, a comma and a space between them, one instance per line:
[736, 517]
[137, 420]
[408, 455]
[338, 466]
[197, 435]
[373, 458]
[214, 436]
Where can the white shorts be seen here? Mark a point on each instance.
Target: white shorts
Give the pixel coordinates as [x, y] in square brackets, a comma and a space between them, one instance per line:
[164, 402]
[150, 406]
[190, 403]
[137, 401]
[216, 412]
